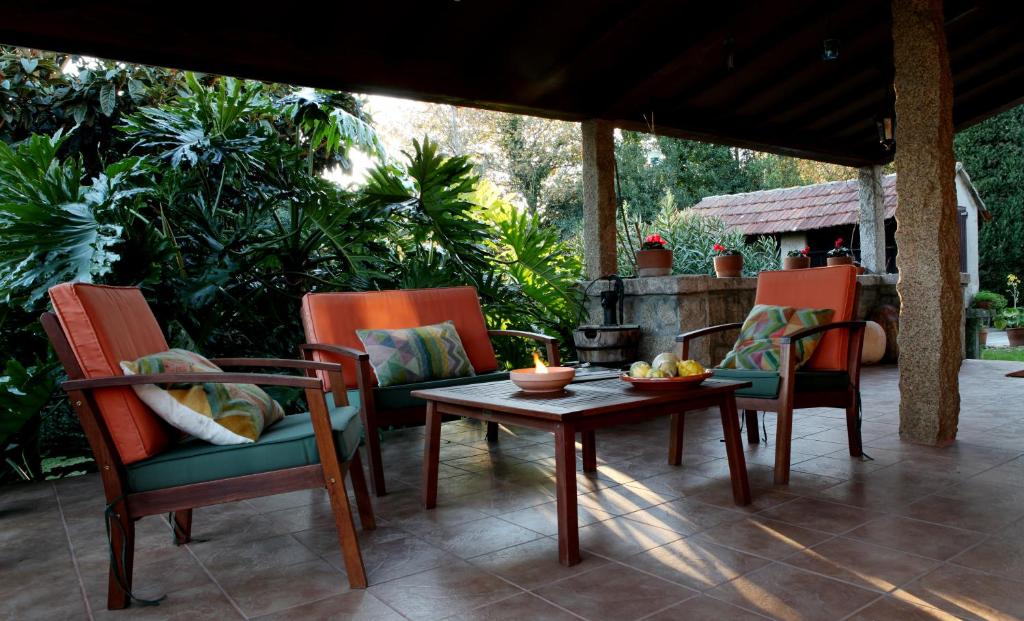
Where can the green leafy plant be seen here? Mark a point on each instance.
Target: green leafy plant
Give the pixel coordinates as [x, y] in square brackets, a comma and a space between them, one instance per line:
[56, 228]
[989, 300]
[692, 242]
[839, 250]
[1009, 318]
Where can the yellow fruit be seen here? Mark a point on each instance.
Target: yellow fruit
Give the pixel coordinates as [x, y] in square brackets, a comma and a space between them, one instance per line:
[657, 373]
[691, 367]
[639, 369]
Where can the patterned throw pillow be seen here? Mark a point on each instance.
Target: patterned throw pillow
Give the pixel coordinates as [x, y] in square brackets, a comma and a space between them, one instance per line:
[757, 347]
[217, 413]
[408, 355]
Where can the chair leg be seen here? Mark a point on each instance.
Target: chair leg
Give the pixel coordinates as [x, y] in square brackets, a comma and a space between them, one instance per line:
[373, 454]
[853, 427]
[347, 537]
[783, 438]
[492, 432]
[122, 545]
[753, 435]
[363, 503]
[182, 524]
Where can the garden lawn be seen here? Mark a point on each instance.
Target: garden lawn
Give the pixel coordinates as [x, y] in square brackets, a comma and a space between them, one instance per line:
[1003, 353]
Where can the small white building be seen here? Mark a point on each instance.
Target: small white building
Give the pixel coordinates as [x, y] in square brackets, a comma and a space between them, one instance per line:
[816, 215]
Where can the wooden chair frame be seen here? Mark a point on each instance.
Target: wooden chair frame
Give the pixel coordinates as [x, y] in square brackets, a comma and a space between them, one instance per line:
[789, 399]
[374, 419]
[127, 507]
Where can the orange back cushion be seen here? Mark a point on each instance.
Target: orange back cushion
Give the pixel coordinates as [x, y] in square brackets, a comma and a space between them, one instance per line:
[820, 287]
[333, 318]
[105, 325]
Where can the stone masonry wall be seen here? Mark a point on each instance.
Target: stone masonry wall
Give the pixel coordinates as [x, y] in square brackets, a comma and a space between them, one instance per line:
[670, 305]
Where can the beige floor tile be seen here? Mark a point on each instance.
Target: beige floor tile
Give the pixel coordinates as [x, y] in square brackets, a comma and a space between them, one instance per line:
[614, 593]
[440, 593]
[534, 564]
[967, 594]
[861, 563]
[790, 594]
[766, 538]
[695, 563]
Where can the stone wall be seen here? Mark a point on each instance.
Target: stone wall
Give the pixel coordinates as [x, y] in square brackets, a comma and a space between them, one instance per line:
[670, 305]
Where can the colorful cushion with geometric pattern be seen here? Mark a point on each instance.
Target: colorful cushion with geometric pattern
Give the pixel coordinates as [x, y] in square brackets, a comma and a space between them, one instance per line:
[408, 355]
[217, 413]
[758, 346]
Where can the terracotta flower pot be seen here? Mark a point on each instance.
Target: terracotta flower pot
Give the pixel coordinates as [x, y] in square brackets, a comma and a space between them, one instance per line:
[1015, 336]
[653, 262]
[796, 263]
[729, 266]
[847, 260]
[983, 337]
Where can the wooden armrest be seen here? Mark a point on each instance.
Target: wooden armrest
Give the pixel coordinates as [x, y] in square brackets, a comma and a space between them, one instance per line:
[686, 337]
[550, 343]
[340, 350]
[693, 334]
[192, 378]
[838, 325]
[284, 363]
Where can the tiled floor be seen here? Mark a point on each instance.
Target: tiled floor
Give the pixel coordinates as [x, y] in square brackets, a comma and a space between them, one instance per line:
[915, 533]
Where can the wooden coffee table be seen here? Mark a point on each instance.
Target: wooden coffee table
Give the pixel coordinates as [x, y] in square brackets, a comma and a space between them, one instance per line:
[582, 407]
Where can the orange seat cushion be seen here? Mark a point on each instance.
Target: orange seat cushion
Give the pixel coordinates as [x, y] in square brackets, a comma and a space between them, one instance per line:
[333, 318]
[820, 287]
[105, 325]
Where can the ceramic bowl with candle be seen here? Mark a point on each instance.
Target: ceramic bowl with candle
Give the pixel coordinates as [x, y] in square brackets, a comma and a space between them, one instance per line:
[542, 378]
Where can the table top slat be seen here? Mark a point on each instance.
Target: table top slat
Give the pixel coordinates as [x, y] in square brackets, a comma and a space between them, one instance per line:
[578, 398]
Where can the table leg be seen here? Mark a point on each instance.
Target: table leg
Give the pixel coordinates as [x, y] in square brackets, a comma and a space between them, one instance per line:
[431, 455]
[565, 475]
[734, 450]
[675, 440]
[589, 441]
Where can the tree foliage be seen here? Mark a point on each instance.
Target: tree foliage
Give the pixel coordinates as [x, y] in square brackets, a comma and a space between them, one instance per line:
[209, 194]
[992, 152]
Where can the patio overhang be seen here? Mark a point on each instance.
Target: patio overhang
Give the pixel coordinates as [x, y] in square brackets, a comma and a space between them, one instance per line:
[799, 78]
[748, 74]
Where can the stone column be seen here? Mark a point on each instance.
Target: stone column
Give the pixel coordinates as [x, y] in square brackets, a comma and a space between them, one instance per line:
[599, 250]
[927, 232]
[872, 219]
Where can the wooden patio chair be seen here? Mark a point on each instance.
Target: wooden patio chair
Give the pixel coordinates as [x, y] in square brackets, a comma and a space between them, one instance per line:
[331, 320]
[144, 467]
[831, 378]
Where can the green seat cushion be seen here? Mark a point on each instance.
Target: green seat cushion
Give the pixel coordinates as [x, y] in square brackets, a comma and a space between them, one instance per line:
[395, 397]
[288, 444]
[766, 383]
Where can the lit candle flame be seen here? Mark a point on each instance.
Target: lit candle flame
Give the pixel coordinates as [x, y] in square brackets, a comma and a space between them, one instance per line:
[539, 366]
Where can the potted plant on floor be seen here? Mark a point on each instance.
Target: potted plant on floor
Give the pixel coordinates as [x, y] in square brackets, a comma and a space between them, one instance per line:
[797, 259]
[1012, 319]
[991, 303]
[840, 255]
[728, 262]
[653, 258]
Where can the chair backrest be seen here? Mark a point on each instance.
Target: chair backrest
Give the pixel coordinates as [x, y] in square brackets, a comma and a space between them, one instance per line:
[333, 318]
[820, 287]
[103, 326]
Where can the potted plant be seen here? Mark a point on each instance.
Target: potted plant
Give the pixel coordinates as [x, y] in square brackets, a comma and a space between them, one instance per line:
[797, 259]
[728, 262]
[990, 303]
[653, 258]
[1012, 319]
[840, 255]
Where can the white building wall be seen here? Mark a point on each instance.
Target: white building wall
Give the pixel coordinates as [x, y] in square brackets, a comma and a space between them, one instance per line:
[796, 240]
[964, 199]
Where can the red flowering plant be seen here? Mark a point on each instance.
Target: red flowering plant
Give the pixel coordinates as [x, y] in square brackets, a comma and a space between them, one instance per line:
[800, 252]
[654, 242]
[720, 250]
[840, 250]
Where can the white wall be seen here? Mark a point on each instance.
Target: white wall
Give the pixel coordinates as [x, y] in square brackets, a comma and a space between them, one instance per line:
[964, 199]
[791, 241]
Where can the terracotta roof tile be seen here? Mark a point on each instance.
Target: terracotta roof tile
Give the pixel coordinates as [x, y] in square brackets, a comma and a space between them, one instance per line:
[801, 208]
